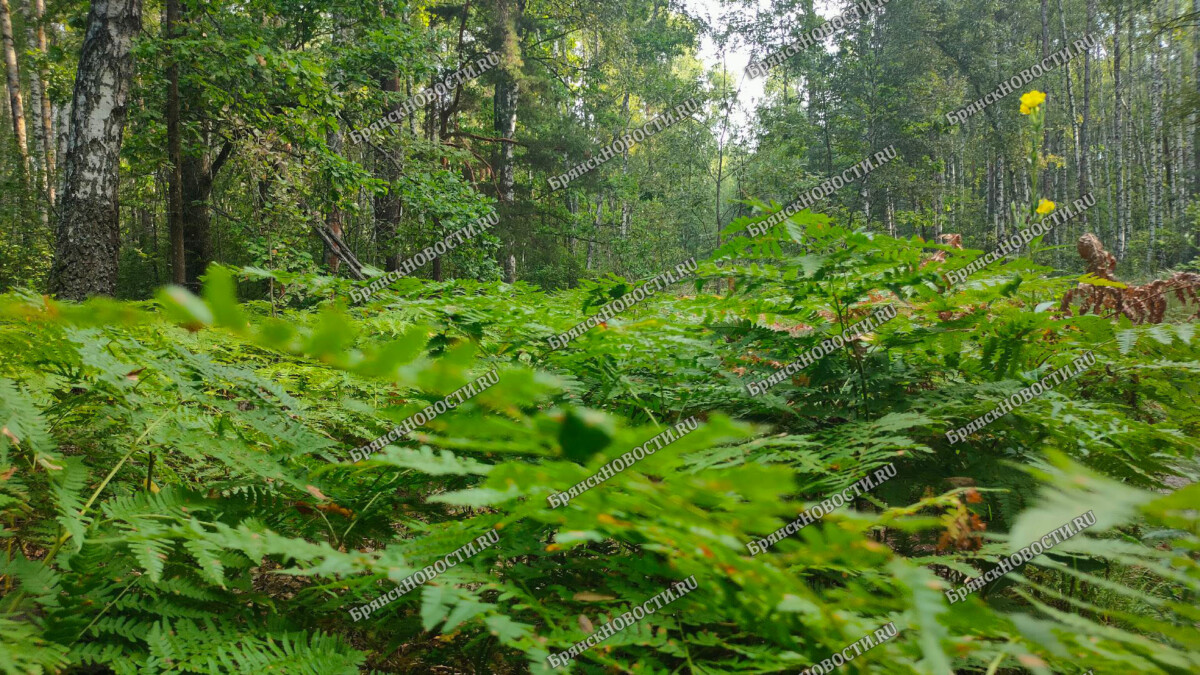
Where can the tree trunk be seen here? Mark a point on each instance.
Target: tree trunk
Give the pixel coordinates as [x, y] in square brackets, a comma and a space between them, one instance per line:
[507, 92]
[1196, 115]
[1181, 155]
[1045, 28]
[43, 119]
[1062, 21]
[1047, 138]
[334, 220]
[15, 102]
[62, 128]
[174, 152]
[48, 149]
[1002, 201]
[1085, 181]
[890, 213]
[37, 159]
[387, 206]
[593, 242]
[510, 270]
[196, 188]
[1155, 190]
[88, 238]
[1119, 137]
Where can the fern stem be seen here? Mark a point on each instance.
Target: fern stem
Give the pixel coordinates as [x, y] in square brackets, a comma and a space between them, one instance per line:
[150, 472]
[104, 483]
[360, 514]
[106, 608]
[995, 664]
[17, 598]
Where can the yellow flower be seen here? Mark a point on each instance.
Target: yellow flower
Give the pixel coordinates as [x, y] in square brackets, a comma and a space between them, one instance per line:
[1045, 206]
[1032, 101]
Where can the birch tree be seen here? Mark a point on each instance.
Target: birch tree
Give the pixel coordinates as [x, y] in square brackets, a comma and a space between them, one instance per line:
[88, 237]
[13, 82]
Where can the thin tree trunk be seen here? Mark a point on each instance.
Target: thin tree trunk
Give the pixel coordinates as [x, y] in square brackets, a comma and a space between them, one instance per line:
[1062, 21]
[88, 238]
[1181, 155]
[1118, 137]
[334, 221]
[62, 128]
[43, 129]
[1085, 181]
[15, 102]
[1196, 115]
[174, 151]
[37, 159]
[592, 241]
[990, 198]
[387, 206]
[1002, 201]
[48, 149]
[1047, 138]
[939, 201]
[1134, 154]
[890, 213]
[507, 92]
[1110, 187]
[1155, 190]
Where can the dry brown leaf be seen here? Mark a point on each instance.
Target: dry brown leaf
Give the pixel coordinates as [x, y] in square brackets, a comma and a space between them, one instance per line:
[588, 596]
[48, 464]
[586, 625]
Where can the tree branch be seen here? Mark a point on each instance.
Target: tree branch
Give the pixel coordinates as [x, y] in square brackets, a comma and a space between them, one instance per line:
[487, 139]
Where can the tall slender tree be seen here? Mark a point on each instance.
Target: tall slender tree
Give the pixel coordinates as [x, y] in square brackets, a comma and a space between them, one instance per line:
[508, 14]
[1085, 183]
[39, 92]
[174, 147]
[13, 82]
[1155, 189]
[1119, 135]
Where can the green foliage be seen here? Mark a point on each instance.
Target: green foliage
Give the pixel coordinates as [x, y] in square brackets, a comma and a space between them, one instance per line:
[178, 492]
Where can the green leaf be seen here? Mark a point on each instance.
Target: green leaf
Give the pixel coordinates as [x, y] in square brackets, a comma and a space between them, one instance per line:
[1127, 339]
[584, 433]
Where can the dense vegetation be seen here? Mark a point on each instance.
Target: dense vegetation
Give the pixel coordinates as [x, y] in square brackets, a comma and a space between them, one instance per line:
[200, 343]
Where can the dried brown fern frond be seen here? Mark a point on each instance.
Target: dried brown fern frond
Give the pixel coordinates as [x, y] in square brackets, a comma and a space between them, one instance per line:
[1100, 262]
[951, 240]
[1141, 304]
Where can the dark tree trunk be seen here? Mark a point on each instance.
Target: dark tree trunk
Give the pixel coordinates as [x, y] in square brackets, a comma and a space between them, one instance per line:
[196, 188]
[388, 208]
[334, 220]
[88, 238]
[199, 173]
